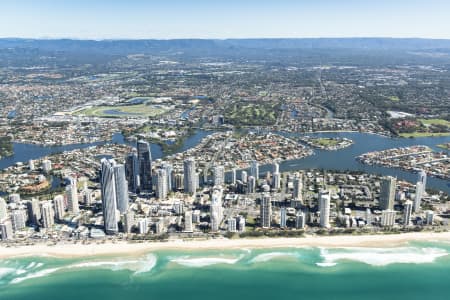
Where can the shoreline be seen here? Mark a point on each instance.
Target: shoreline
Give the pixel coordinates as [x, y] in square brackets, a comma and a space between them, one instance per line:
[138, 248]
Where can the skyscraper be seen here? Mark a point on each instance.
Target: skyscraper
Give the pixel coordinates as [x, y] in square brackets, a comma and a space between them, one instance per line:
[59, 207]
[188, 221]
[72, 196]
[128, 219]
[244, 177]
[276, 180]
[418, 196]
[388, 218]
[3, 209]
[34, 211]
[233, 176]
[169, 172]
[109, 199]
[161, 184]
[145, 165]
[283, 217]
[300, 220]
[219, 175]
[266, 211]
[6, 230]
[232, 225]
[254, 169]
[132, 171]
[251, 186]
[48, 216]
[121, 188]
[190, 176]
[18, 219]
[407, 213]
[298, 187]
[275, 167]
[387, 193]
[324, 208]
[423, 179]
[216, 209]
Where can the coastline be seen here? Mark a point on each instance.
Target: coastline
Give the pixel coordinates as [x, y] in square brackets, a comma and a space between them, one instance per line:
[129, 249]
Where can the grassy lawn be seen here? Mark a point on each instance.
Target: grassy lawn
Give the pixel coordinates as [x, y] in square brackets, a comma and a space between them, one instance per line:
[435, 122]
[394, 98]
[252, 113]
[140, 110]
[444, 146]
[326, 142]
[423, 134]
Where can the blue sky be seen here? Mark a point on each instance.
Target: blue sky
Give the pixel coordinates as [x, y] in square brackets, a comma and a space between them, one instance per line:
[165, 19]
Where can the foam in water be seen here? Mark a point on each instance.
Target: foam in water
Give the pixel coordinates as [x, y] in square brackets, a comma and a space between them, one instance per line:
[272, 255]
[198, 262]
[6, 271]
[38, 274]
[381, 256]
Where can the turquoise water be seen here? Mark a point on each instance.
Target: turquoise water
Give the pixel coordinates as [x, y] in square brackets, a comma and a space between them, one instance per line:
[416, 271]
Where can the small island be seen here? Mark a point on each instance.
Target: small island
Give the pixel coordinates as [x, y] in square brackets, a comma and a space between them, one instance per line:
[445, 146]
[328, 144]
[6, 146]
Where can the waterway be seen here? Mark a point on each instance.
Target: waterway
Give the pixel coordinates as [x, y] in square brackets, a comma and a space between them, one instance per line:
[343, 159]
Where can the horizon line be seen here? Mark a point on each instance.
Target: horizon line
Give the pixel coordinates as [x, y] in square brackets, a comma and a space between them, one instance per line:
[219, 39]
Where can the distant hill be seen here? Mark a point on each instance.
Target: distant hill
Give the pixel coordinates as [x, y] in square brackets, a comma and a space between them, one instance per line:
[123, 47]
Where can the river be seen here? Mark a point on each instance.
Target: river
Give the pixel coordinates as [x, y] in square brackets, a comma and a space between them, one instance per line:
[343, 159]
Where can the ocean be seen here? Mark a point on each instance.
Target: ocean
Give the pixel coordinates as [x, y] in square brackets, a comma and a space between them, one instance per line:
[414, 271]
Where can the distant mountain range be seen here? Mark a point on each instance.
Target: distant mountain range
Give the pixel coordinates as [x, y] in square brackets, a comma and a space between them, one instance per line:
[122, 47]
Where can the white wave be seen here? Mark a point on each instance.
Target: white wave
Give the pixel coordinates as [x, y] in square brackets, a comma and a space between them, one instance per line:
[20, 272]
[198, 262]
[147, 265]
[137, 265]
[383, 256]
[324, 264]
[31, 265]
[38, 274]
[272, 255]
[6, 271]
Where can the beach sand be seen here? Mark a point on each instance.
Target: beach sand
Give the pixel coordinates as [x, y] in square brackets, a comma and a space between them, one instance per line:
[125, 248]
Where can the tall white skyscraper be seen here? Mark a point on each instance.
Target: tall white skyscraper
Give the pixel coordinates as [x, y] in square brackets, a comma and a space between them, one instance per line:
[266, 211]
[388, 218]
[407, 213]
[283, 217]
[128, 219]
[232, 224]
[324, 208]
[275, 167]
[276, 180]
[3, 209]
[216, 209]
[190, 176]
[121, 188]
[254, 169]
[300, 220]
[423, 179]
[18, 219]
[6, 230]
[418, 196]
[48, 215]
[244, 177]
[59, 207]
[72, 196]
[109, 197]
[219, 175]
[251, 186]
[162, 186]
[34, 211]
[188, 227]
[387, 193]
[298, 187]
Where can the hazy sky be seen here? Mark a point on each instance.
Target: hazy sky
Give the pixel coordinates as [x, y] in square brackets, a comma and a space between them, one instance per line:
[165, 19]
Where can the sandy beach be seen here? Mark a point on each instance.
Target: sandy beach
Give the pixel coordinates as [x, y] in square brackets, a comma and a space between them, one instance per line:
[125, 248]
